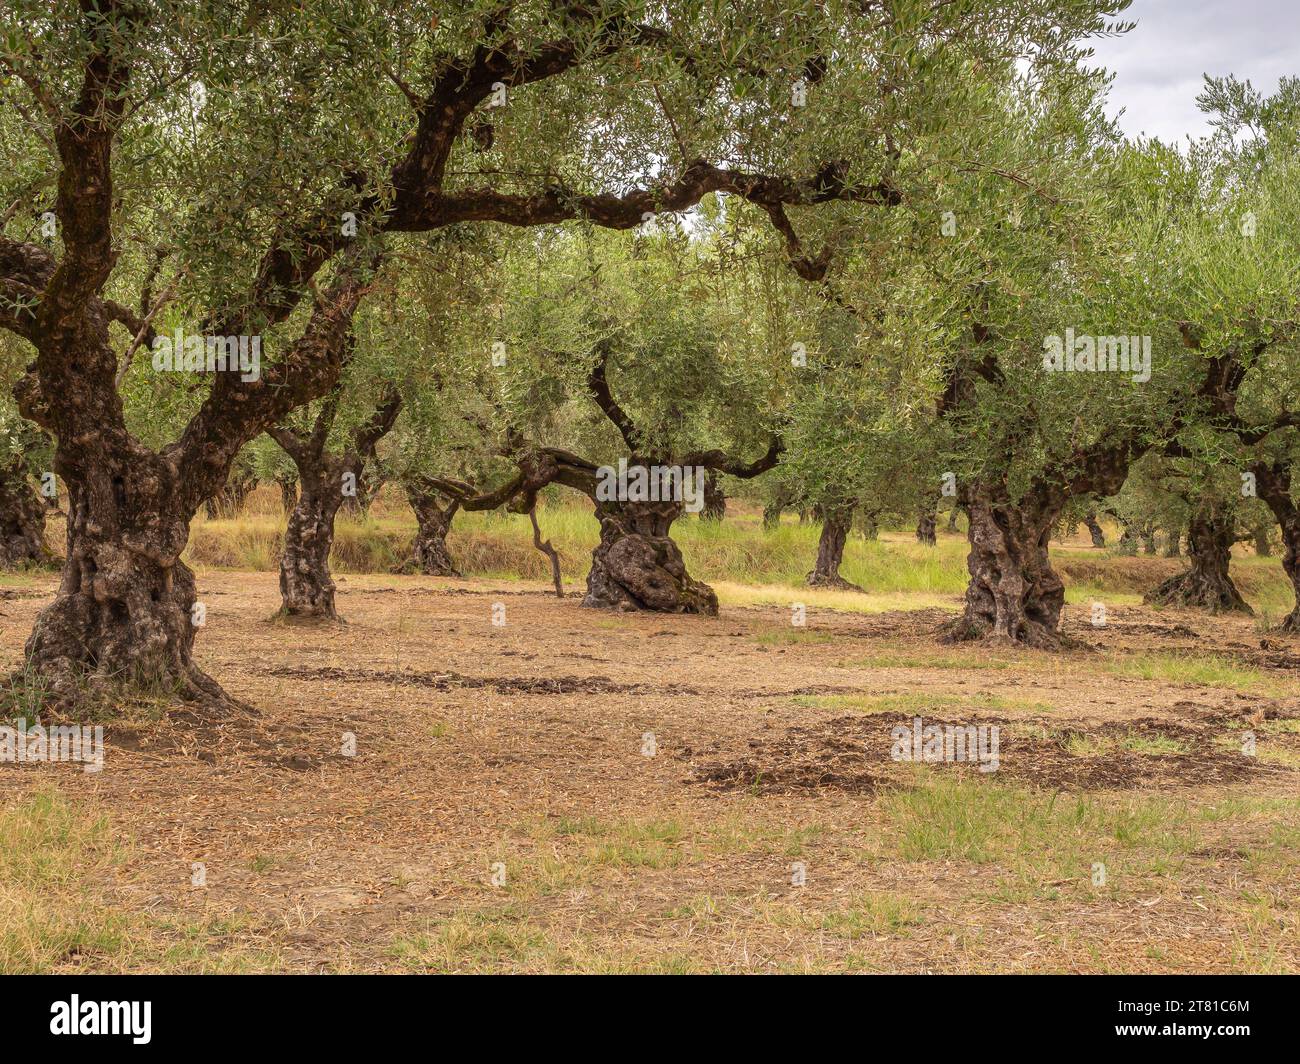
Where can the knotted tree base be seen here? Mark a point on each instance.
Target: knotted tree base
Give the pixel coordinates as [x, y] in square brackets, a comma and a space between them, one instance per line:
[1033, 628]
[927, 530]
[1207, 584]
[306, 585]
[830, 551]
[637, 567]
[1274, 486]
[645, 573]
[430, 557]
[1094, 530]
[1290, 624]
[1211, 591]
[834, 583]
[121, 628]
[429, 553]
[1291, 566]
[1014, 594]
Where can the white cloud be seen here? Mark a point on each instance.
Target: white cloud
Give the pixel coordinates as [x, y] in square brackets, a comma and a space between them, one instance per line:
[1159, 65]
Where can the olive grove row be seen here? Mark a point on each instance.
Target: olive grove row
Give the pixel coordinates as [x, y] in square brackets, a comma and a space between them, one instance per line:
[872, 257]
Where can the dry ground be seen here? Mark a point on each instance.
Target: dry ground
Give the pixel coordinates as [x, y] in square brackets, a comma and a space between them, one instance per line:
[524, 746]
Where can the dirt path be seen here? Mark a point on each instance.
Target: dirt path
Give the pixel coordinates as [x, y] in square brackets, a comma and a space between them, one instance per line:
[525, 746]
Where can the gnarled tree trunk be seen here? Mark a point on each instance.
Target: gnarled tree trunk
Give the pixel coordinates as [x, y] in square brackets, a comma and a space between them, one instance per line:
[869, 525]
[306, 585]
[1172, 538]
[927, 528]
[429, 554]
[1094, 529]
[1128, 543]
[836, 522]
[1148, 539]
[1273, 485]
[636, 566]
[288, 494]
[1014, 594]
[1206, 584]
[368, 488]
[1263, 548]
[715, 499]
[777, 505]
[124, 613]
[1291, 566]
[22, 519]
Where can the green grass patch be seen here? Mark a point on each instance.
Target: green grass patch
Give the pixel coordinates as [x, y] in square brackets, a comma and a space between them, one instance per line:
[1035, 835]
[54, 858]
[648, 844]
[509, 940]
[873, 913]
[491, 939]
[865, 914]
[50, 859]
[1205, 670]
[1079, 745]
[918, 702]
[783, 637]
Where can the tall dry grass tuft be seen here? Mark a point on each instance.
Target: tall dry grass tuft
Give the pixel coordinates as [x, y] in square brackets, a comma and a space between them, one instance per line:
[495, 545]
[736, 551]
[50, 860]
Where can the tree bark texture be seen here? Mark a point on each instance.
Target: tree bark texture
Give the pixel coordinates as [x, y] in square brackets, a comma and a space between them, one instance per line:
[22, 519]
[836, 523]
[433, 517]
[1094, 529]
[306, 584]
[1206, 584]
[1014, 594]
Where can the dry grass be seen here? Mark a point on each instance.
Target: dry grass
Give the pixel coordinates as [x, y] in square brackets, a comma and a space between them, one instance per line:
[50, 856]
[56, 857]
[747, 564]
[521, 747]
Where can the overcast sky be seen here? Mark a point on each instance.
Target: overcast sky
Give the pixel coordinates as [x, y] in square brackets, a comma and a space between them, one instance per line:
[1158, 66]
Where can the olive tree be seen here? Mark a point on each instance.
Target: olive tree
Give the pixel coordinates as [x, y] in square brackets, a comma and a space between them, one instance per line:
[631, 369]
[308, 137]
